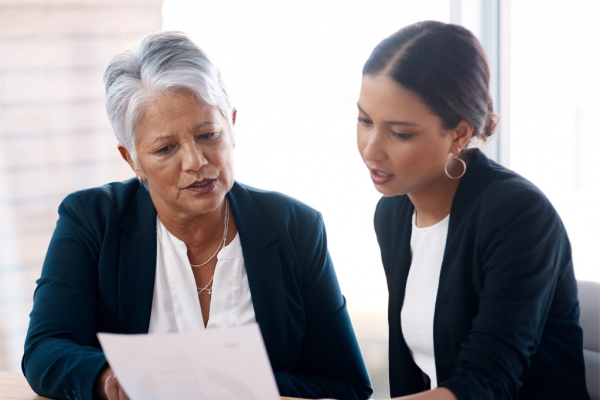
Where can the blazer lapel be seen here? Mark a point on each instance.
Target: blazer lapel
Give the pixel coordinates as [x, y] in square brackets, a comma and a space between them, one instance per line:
[477, 175]
[469, 188]
[405, 376]
[261, 257]
[402, 258]
[137, 264]
[137, 268]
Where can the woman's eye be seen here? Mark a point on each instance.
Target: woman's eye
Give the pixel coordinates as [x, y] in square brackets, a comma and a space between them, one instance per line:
[164, 149]
[207, 136]
[402, 135]
[365, 121]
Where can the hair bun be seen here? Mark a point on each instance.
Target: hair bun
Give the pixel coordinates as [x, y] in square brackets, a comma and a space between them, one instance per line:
[491, 121]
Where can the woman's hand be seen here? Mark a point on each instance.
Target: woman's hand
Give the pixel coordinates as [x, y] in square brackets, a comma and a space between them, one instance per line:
[108, 387]
[113, 389]
[440, 393]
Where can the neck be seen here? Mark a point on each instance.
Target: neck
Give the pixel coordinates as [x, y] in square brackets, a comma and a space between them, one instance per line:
[433, 204]
[200, 232]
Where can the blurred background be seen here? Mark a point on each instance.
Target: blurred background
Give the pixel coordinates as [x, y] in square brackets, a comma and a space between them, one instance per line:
[294, 71]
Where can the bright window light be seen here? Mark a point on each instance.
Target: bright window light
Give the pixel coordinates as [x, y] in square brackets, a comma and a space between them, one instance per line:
[294, 69]
[554, 107]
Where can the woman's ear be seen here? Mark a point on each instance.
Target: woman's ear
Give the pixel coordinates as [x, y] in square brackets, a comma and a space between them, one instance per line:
[462, 134]
[127, 157]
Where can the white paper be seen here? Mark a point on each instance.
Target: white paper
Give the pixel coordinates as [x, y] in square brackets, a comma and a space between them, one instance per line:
[220, 364]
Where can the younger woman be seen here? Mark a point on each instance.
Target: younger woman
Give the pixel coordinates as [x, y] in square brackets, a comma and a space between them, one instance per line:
[483, 299]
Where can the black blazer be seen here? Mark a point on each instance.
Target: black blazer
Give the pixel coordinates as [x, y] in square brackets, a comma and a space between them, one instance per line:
[506, 322]
[99, 272]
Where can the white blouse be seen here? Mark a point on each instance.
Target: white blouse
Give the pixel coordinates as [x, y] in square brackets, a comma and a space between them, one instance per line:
[175, 304]
[416, 318]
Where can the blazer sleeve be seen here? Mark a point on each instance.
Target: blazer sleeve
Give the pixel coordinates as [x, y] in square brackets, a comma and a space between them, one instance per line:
[332, 364]
[61, 358]
[525, 250]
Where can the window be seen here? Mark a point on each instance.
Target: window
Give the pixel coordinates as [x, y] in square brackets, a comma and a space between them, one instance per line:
[554, 134]
[294, 70]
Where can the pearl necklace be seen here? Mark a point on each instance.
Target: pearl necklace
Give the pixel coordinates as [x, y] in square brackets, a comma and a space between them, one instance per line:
[221, 245]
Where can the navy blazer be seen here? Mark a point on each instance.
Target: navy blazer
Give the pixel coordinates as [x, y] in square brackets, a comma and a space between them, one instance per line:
[99, 272]
[506, 323]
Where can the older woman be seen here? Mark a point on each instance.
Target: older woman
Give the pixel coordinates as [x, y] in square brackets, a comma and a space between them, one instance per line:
[184, 247]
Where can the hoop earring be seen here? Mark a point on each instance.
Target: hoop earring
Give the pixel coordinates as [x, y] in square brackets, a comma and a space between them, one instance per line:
[455, 157]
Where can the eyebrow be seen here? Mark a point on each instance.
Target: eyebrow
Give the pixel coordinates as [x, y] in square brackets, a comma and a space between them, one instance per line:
[202, 125]
[403, 123]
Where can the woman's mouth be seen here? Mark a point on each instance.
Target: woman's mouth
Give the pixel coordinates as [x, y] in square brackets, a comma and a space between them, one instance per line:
[202, 187]
[380, 177]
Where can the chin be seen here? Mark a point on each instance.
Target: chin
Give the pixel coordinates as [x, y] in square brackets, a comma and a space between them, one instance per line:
[209, 203]
[389, 191]
[386, 192]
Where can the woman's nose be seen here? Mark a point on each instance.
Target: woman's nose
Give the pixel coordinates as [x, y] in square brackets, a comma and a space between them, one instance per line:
[374, 149]
[193, 158]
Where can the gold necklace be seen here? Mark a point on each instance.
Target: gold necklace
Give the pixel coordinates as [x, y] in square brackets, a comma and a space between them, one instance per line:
[206, 287]
[223, 240]
[221, 244]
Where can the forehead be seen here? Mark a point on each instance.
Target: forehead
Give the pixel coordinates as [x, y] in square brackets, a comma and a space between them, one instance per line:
[170, 113]
[382, 98]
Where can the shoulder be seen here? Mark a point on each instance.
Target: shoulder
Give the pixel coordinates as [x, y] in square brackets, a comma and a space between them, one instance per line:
[487, 177]
[265, 215]
[87, 216]
[505, 192]
[497, 199]
[102, 202]
[280, 208]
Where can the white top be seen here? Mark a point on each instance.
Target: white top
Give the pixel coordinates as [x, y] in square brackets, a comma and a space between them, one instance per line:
[416, 318]
[175, 305]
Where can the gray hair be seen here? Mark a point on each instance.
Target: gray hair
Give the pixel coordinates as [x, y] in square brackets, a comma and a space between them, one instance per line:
[160, 64]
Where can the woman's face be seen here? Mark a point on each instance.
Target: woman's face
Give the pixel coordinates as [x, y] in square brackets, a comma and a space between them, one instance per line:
[401, 141]
[185, 152]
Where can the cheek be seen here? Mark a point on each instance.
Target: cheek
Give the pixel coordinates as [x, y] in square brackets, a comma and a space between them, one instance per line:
[407, 162]
[222, 160]
[164, 172]
[416, 160]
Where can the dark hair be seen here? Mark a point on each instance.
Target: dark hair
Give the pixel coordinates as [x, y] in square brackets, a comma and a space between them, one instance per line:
[446, 66]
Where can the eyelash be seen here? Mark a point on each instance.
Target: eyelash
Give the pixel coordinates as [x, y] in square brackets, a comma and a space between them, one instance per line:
[208, 136]
[404, 136]
[203, 137]
[163, 151]
[365, 121]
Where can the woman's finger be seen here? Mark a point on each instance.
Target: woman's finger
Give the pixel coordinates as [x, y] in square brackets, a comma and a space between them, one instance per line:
[111, 388]
[120, 393]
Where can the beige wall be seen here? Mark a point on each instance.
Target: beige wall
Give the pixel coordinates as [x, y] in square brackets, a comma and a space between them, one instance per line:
[55, 137]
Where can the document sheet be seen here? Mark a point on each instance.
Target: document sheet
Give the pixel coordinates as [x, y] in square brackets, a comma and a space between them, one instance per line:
[221, 364]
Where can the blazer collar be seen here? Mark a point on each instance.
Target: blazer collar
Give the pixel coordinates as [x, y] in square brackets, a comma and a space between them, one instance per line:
[478, 174]
[137, 263]
[265, 278]
[403, 371]
[137, 218]
[254, 229]
[137, 267]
